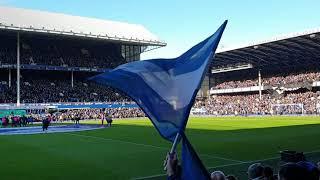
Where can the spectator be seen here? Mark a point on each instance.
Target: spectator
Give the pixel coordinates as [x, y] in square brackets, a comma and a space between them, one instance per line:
[312, 170]
[268, 173]
[217, 175]
[45, 123]
[255, 171]
[292, 171]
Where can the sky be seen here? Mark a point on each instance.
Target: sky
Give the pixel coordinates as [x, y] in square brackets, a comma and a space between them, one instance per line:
[184, 23]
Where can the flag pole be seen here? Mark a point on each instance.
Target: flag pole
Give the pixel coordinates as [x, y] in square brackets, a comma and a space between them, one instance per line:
[175, 143]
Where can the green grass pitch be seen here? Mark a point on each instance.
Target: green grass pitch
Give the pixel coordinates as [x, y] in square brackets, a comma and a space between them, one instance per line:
[133, 148]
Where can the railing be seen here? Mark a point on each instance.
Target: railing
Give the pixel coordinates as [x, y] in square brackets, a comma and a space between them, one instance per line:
[53, 68]
[249, 89]
[234, 90]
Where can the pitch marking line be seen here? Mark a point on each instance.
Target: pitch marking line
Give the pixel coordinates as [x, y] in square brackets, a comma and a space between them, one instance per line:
[115, 140]
[148, 177]
[259, 160]
[152, 146]
[221, 166]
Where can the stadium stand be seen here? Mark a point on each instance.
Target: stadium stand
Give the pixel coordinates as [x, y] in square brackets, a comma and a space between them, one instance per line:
[51, 51]
[97, 114]
[44, 91]
[277, 76]
[275, 80]
[286, 94]
[250, 104]
[57, 57]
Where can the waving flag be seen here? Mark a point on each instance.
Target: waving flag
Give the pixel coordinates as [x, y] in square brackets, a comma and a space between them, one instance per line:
[165, 89]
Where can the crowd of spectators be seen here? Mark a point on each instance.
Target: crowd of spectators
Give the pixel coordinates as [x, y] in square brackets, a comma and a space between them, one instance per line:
[83, 114]
[70, 115]
[59, 52]
[42, 91]
[290, 103]
[236, 84]
[290, 170]
[98, 114]
[291, 79]
[15, 121]
[272, 81]
[125, 112]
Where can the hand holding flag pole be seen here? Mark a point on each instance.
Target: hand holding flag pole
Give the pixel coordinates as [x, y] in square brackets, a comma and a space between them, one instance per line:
[172, 150]
[165, 89]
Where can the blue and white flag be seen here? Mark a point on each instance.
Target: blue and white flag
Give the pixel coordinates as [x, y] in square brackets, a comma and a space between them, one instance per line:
[165, 89]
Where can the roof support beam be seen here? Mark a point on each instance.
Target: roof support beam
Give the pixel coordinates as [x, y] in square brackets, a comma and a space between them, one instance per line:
[284, 49]
[221, 61]
[232, 58]
[314, 43]
[301, 48]
[271, 50]
[259, 53]
[254, 59]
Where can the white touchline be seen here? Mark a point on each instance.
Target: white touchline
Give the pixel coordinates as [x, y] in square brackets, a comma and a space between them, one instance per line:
[109, 139]
[147, 177]
[259, 160]
[147, 145]
[222, 158]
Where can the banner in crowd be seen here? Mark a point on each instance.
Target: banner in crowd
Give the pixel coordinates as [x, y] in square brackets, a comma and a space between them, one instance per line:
[15, 112]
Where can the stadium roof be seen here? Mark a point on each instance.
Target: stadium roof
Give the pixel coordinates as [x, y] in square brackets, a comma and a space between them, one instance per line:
[297, 49]
[56, 23]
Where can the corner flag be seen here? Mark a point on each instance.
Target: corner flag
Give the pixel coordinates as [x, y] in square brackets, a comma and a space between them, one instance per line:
[165, 89]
